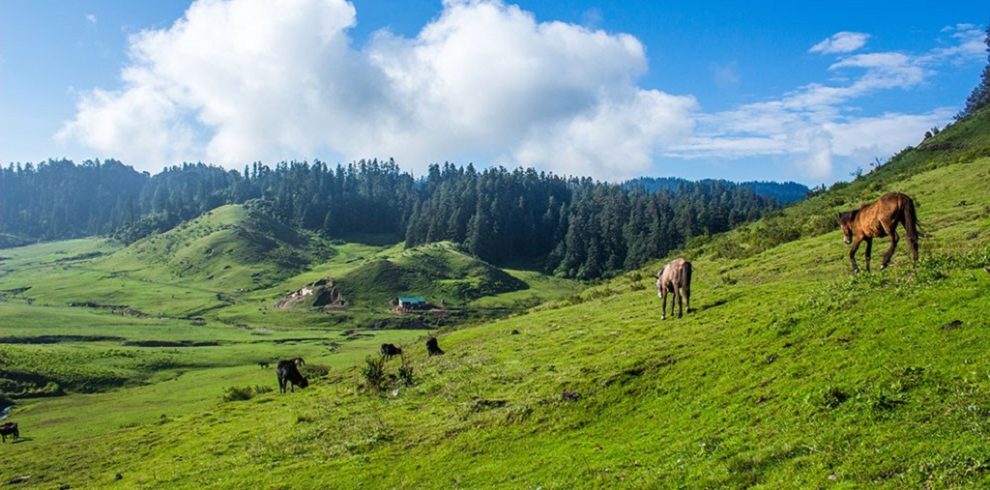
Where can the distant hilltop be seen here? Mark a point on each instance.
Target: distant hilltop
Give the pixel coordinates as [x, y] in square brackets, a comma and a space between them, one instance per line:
[783, 192]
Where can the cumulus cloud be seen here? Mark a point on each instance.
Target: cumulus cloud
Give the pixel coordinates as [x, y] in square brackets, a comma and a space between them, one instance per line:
[841, 42]
[236, 81]
[243, 80]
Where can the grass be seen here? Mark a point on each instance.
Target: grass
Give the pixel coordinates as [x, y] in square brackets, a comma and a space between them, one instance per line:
[97, 337]
[790, 373]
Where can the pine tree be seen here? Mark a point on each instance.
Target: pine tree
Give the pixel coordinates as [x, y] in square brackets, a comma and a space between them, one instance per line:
[980, 97]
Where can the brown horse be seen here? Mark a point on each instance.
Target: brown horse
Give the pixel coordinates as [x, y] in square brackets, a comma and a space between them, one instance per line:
[675, 277]
[878, 220]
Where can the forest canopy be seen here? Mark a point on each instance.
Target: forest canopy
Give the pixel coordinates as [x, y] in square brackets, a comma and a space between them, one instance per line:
[574, 227]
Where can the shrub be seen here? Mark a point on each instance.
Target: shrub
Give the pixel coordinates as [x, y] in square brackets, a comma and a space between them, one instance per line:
[238, 393]
[243, 393]
[374, 372]
[406, 374]
[314, 371]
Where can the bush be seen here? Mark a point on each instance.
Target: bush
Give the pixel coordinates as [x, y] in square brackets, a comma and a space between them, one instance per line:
[311, 371]
[243, 393]
[238, 393]
[406, 375]
[374, 373]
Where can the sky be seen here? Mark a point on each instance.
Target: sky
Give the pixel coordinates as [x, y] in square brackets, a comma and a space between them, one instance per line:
[804, 91]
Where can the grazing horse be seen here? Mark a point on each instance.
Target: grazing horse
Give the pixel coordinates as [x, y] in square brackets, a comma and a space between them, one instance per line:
[288, 372]
[433, 348]
[878, 220]
[9, 429]
[389, 350]
[675, 277]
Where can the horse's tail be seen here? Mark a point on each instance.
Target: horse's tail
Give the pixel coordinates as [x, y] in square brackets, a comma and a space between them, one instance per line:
[911, 227]
[687, 277]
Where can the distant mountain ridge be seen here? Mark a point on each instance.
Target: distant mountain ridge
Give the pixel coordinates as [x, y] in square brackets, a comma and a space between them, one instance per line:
[783, 192]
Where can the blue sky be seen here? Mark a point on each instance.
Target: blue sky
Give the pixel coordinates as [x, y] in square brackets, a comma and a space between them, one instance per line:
[608, 89]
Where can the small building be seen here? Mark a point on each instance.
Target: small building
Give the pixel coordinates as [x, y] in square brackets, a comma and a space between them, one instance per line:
[412, 302]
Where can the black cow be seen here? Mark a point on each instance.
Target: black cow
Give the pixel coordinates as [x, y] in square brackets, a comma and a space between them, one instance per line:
[263, 364]
[288, 372]
[389, 350]
[9, 429]
[432, 347]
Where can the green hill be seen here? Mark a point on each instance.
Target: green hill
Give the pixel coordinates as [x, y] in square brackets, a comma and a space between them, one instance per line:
[229, 248]
[792, 372]
[438, 271]
[198, 266]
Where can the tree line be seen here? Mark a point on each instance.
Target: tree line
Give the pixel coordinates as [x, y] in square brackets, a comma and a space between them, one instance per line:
[574, 227]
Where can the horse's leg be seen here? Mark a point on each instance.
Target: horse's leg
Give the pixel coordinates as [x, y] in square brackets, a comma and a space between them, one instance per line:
[893, 245]
[663, 305]
[679, 294]
[852, 253]
[687, 297]
[869, 250]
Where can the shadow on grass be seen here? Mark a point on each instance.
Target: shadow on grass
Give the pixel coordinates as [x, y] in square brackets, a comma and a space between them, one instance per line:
[716, 303]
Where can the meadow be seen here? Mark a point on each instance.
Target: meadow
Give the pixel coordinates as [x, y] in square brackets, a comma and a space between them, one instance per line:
[791, 372]
[97, 337]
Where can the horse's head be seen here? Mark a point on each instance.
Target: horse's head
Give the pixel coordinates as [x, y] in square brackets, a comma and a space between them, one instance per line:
[845, 222]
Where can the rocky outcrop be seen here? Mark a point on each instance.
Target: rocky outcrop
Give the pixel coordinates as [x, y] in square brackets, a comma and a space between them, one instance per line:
[322, 294]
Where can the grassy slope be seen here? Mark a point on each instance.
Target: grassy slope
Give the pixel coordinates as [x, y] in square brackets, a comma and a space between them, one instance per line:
[168, 277]
[438, 271]
[792, 372]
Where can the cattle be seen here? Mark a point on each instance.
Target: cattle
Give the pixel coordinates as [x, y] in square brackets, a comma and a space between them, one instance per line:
[288, 372]
[9, 429]
[432, 347]
[263, 364]
[389, 350]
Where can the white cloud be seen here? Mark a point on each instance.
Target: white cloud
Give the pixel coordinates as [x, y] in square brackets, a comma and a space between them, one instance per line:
[969, 44]
[91, 18]
[816, 125]
[841, 42]
[236, 81]
[269, 80]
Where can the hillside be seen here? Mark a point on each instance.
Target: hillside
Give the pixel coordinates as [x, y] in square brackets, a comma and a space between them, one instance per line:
[438, 271]
[229, 248]
[197, 266]
[104, 331]
[792, 372]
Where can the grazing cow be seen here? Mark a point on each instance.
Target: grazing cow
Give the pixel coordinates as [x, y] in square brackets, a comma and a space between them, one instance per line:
[389, 350]
[9, 429]
[263, 364]
[433, 348]
[675, 277]
[288, 372]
